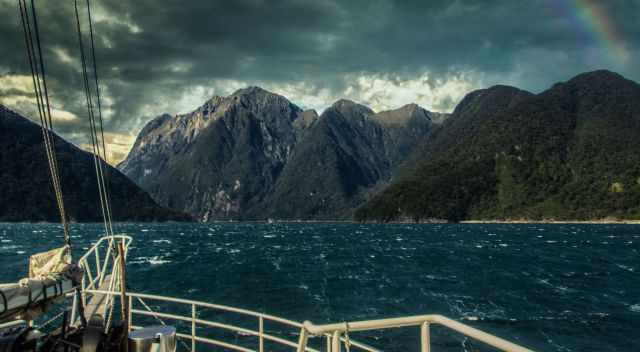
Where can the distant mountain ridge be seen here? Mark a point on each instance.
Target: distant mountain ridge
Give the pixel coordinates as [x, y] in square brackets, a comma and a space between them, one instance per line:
[26, 193]
[568, 153]
[255, 155]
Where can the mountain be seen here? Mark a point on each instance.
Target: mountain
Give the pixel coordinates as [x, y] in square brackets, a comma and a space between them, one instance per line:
[348, 154]
[220, 159]
[568, 153]
[26, 193]
[254, 155]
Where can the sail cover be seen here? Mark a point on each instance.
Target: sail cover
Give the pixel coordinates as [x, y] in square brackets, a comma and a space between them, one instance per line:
[51, 275]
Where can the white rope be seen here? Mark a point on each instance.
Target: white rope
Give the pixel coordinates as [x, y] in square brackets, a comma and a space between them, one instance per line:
[98, 152]
[44, 106]
[40, 326]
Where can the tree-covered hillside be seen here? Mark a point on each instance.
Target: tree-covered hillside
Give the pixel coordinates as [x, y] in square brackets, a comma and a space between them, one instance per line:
[569, 153]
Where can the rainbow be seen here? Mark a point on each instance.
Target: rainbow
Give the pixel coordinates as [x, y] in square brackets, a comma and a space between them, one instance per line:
[594, 21]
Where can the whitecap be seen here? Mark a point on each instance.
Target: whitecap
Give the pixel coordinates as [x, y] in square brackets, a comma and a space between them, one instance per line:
[627, 268]
[155, 260]
[635, 308]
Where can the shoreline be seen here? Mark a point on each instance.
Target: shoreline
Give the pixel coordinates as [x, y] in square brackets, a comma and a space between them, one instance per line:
[559, 222]
[342, 221]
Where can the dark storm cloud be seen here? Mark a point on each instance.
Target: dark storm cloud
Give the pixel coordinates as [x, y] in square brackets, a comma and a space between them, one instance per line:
[152, 52]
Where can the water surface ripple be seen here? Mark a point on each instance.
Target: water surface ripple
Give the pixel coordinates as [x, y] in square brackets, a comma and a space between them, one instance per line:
[548, 287]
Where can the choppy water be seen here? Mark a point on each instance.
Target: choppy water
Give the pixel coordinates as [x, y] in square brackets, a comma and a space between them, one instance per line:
[548, 287]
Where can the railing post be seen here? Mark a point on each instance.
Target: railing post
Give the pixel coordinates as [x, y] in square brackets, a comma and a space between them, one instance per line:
[105, 263]
[335, 342]
[98, 261]
[261, 333]
[302, 342]
[193, 328]
[328, 338]
[425, 337]
[74, 303]
[130, 313]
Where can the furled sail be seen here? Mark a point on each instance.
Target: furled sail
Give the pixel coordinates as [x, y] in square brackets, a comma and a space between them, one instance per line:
[51, 276]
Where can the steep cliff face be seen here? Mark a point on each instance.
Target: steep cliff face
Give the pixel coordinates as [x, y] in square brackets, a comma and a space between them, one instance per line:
[405, 128]
[346, 156]
[254, 155]
[26, 193]
[341, 155]
[220, 159]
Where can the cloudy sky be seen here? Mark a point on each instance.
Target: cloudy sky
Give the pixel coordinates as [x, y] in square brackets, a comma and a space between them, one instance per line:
[172, 55]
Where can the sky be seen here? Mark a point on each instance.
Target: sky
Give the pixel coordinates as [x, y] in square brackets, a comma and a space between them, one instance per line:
[171, 56]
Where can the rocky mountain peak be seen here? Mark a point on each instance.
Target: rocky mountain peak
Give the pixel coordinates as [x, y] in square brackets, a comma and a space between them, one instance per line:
[351, 109]
[403, 115]
[258, 96]
[251, 91]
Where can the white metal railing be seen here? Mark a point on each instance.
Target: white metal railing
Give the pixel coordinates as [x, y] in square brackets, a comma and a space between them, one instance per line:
[100, 260]
[194, 322]
[423, 321]
[100, 265]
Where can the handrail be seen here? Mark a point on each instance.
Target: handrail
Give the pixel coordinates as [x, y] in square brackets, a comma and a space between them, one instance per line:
[260, 333]
[104, 267]
[418, 320]
[202, 304]
[96, 245]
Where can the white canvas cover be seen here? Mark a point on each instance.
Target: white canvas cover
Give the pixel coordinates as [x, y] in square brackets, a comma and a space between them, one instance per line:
[51, 275]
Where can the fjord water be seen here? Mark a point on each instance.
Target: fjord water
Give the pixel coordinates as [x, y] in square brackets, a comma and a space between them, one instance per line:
[548, 287]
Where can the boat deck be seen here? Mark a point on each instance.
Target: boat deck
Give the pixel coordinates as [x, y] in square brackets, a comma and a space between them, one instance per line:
[98, 302]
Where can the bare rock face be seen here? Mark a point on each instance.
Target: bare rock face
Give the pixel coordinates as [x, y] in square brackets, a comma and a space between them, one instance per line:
[405, 128]
[219, 159]
[254, 154]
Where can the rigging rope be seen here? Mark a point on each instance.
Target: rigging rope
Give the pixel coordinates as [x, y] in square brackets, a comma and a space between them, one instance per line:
[36, 64]
[97, 139]
[99, 102]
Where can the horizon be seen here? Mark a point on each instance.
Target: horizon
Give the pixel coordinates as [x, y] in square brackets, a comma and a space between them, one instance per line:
[383, 54]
